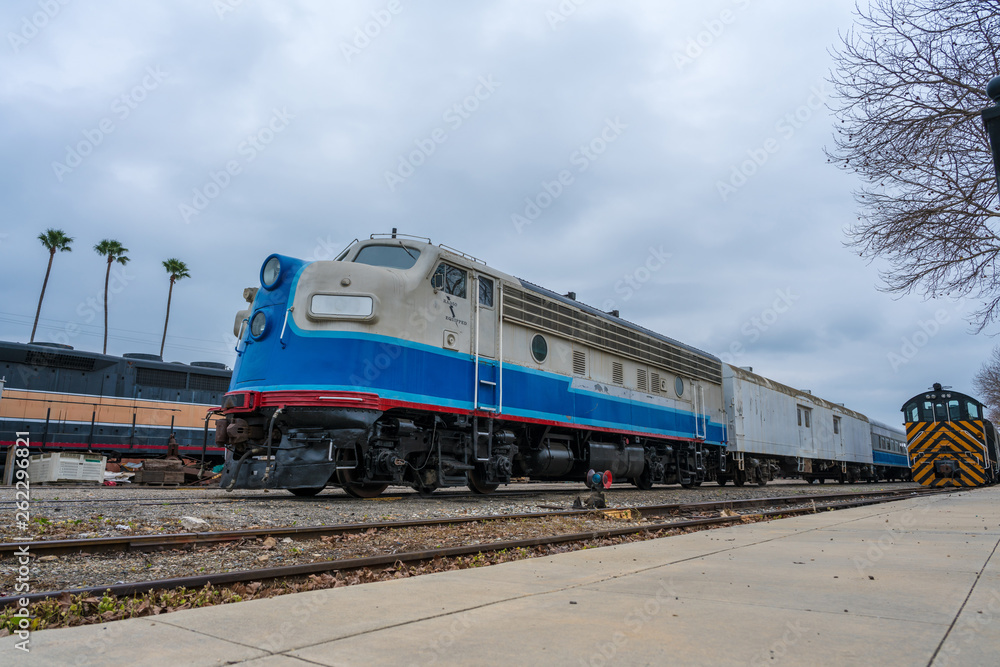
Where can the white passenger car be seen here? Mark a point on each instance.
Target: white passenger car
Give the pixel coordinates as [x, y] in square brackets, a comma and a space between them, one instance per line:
[777, 425]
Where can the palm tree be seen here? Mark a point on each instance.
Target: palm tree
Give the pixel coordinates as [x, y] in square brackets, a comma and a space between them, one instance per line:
[115, 252]
[52, 239]
[177, 270]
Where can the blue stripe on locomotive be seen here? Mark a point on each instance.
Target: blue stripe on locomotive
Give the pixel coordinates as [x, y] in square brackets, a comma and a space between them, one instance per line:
[881, 458]
[406, 371]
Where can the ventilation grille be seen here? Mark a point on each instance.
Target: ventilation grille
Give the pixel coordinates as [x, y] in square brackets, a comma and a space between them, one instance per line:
[640, 379]
[212, 383]
[539, 312]
[655, 382]
[579, 363]
[151, 377]
[617, 373]
[69, 361]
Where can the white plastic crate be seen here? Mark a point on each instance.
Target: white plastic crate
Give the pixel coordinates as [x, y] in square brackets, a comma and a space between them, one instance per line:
[66, 467]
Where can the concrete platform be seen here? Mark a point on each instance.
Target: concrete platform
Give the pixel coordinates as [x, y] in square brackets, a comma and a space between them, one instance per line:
[915, 582]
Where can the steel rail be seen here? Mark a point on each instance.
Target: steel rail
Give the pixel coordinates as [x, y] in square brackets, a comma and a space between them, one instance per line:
[288, 571]
[196, 539]
[177, 500]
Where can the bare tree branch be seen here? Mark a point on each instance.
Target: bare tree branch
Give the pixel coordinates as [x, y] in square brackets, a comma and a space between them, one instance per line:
[987, 383]
[909, 79]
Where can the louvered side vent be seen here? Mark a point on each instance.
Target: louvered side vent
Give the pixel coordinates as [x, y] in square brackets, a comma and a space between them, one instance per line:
[579, 363]
[539, 312]
[208, 382]
[617, 373]
[53, 360]
[153, 377]
[640, 376]
[655, 382]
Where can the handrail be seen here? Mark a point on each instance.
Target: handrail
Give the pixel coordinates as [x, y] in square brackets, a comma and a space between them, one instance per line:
[283, 326]
[239, 336]
[462, 254]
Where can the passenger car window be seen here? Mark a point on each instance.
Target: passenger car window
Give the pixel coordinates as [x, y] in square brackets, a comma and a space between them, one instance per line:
[452, 279]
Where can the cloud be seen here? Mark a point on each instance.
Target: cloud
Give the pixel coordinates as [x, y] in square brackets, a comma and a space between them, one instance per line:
[321, 181]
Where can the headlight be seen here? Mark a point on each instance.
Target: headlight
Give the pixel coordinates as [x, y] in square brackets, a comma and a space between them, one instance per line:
[257, 325]
[269, 274]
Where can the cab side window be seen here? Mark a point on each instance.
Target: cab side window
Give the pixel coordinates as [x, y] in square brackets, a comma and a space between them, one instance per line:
[450, 279]
[485, 292]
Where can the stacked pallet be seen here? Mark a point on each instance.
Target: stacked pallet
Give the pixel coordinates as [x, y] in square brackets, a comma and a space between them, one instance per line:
[160, 471]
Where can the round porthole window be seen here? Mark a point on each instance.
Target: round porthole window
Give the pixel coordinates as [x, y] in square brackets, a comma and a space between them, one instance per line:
[679, 386]
[257, 325]
[539, 348]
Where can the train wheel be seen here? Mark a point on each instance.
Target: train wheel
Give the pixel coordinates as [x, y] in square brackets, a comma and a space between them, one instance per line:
[739, 478]
[359, 489]
[477, 485]
[306, 492]
[365, 490]
[642, 482]
[721, 481]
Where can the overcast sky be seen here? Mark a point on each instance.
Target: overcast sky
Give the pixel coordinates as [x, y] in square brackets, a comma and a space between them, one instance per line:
[662, 158]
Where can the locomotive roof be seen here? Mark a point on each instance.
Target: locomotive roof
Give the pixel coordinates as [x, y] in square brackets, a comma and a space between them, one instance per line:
[66, 357]
[894, 429]
[749, 376]
[941, 393]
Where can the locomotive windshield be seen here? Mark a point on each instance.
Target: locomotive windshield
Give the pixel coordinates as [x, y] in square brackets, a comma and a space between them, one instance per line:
[389, 256]
[941, 410]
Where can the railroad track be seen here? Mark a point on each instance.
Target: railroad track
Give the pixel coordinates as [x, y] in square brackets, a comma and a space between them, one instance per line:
[288, 498]
[774, 507]
[153, 501]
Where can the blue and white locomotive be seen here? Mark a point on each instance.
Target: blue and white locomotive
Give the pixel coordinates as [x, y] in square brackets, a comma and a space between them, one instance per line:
[405, 362]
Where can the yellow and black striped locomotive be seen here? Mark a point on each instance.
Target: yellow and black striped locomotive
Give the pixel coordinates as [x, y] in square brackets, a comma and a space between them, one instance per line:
[949, 439]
